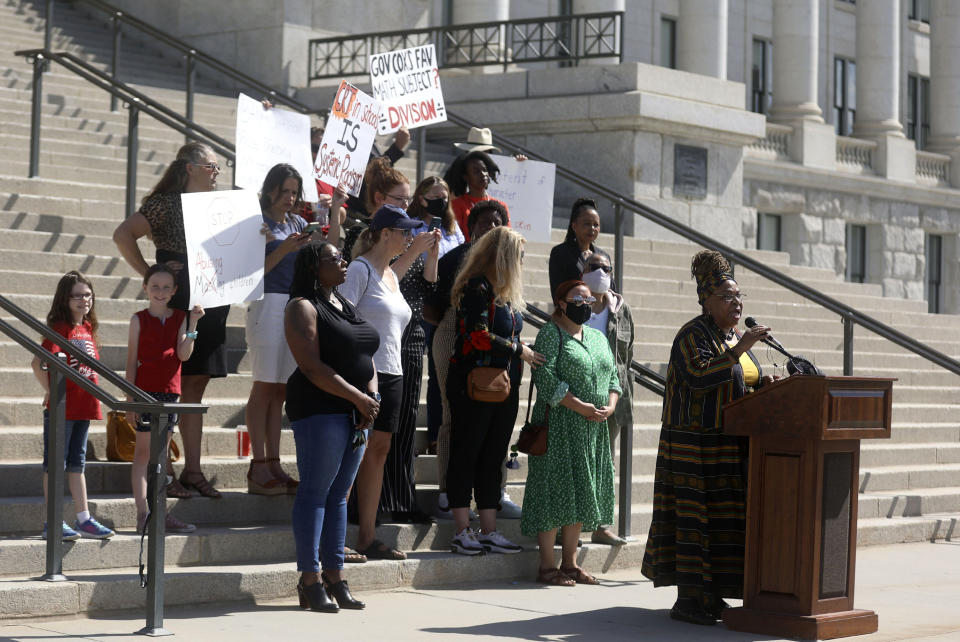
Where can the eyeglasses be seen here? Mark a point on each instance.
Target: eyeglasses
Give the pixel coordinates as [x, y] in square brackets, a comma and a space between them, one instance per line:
[730, 298]
[580, 299]
[406, 233]
[86, 296]
[400, 199]
[597, 266]
[213, 167]
[335, 259]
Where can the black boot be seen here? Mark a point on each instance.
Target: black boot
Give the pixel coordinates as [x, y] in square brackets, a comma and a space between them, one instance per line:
[341, 593]
[691, 611]
[315, 598]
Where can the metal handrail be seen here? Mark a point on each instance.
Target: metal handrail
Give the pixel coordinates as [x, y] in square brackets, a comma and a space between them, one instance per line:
[191, 54]
[498, 42]
[849, 315]
[136, 102]
[142, 403]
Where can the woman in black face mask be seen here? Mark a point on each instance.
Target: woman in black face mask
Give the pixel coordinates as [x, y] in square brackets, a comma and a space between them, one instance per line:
[571, 486]
[431, 204]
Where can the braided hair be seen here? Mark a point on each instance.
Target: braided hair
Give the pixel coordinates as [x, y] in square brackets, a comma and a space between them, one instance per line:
[306, 271]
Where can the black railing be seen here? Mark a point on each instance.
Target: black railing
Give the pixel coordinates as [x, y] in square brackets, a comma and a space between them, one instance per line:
[848, 315]
[567, 39]
[142, 403]
[649, 379]
[192, 57]
[135, 102]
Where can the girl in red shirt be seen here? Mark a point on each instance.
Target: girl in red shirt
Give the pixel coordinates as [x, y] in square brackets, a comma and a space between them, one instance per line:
[160, 339]
[72, 315]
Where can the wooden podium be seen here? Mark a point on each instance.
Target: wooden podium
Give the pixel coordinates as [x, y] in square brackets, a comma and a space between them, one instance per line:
[801, 544]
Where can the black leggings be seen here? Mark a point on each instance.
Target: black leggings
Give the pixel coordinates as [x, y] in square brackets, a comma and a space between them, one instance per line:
[479, 436]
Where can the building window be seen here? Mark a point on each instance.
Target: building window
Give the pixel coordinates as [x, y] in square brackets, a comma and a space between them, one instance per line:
[919, 10]
[768, 231]
[918, 109]
[934, 252]
[856, 253]
[844, 95]
[668, 43]
[761, 77]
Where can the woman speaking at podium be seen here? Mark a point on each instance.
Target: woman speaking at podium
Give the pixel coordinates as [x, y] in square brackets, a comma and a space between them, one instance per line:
[696, 539]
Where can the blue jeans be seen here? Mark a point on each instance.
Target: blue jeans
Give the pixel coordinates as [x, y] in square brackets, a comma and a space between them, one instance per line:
[75, 443]
[327, 465]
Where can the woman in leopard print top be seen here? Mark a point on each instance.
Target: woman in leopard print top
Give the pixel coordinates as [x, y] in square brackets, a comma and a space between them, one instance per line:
[160, 218]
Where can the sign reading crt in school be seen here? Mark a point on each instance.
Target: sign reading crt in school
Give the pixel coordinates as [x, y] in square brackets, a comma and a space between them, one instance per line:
[347, 139]
[266, 137]
[224, 246]
[407, 82]
[527, 189]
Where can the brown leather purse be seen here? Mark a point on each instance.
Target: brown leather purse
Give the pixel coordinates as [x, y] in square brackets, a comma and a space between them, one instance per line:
[533, 437]
[488, 384]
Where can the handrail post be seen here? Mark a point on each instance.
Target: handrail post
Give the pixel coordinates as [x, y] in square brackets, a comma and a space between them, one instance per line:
[191, 73]
[56, 437]
[36, 112]
[847, 347]
[618, 242]
[157, 504]
[133, 149]
[48, 31]
[421, 153]
[115, 62]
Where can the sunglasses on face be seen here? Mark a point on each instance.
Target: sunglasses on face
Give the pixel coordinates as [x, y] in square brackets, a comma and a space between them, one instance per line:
[335, 259]
[213, 167]
[407, 234]
[598, 266]
[580, 299]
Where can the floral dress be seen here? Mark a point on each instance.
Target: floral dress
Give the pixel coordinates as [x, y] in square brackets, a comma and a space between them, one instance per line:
[572, 482]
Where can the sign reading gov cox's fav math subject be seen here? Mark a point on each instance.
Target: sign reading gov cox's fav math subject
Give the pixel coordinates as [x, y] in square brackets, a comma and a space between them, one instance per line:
[224, 246]
[347, 139]
[407, 82]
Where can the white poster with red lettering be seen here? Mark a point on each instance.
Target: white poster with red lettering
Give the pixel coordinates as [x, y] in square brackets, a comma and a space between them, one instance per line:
[407, 82]
[347, 139]
[224, 246]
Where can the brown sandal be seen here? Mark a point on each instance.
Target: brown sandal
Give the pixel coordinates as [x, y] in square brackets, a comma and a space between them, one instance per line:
[289, 483]
[579, 575]
[272, 487]
[175, 489]
[554, 577]
[350, 556]
[200, 484]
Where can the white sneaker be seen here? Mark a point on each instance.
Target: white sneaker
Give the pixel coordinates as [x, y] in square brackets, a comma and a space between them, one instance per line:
[508, 509]
[465, 542]
[497, 543]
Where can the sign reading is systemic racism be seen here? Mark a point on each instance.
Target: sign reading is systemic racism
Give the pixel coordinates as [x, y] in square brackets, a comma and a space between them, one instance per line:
[527, 189]
[224, 246]
[347, 139]
[266, 137]
[407, 82]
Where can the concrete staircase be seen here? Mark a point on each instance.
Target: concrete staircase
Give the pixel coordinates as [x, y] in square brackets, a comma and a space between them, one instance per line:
[910, 485]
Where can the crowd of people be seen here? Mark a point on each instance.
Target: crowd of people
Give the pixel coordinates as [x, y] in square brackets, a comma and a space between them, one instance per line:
[339, 339]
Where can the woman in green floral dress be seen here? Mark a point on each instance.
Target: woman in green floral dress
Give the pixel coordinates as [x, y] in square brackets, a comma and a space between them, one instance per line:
[571, 486]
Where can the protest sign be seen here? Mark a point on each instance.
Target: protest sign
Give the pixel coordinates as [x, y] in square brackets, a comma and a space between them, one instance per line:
[407, 82]
[527, 189]
[266, 137]
[347, 140]
[224, 246]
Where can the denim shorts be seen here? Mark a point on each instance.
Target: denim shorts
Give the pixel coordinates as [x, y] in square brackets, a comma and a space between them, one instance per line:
[75, 443]
[143, 421]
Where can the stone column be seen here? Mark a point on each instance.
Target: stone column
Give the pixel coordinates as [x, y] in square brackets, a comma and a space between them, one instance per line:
[945, 79]
[796, 37]
[467, 11]
[702, 37]
[878, 68]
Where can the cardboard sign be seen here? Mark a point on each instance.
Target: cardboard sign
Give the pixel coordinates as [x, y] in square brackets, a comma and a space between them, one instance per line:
[266, 137]
[348, 138]
[225, 248]
[407, 82]
[527, 189]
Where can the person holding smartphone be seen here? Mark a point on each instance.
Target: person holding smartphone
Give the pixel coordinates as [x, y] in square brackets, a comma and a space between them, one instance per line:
[271, 361]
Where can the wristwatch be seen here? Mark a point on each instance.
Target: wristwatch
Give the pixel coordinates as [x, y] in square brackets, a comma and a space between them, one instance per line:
[374, 395]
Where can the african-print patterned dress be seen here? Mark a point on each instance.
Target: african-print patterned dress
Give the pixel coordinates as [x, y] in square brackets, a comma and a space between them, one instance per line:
[696, 539]
[573, 482]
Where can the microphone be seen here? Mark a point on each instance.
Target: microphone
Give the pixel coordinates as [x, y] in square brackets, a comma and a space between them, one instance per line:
[769, 340]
